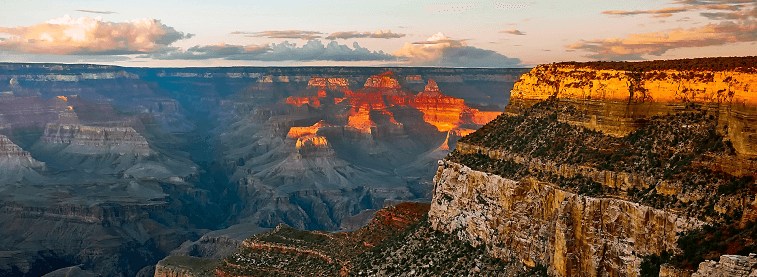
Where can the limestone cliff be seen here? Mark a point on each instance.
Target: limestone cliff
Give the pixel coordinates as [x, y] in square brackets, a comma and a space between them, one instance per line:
[616, 100]
[83, 139]
[610, 169]
[539, 223]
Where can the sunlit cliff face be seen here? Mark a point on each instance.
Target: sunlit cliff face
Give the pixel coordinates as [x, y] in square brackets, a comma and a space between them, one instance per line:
[382, 92]
[633, 95]
[298, 132]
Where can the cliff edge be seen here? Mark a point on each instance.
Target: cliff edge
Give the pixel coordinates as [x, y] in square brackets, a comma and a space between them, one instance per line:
[611, 168]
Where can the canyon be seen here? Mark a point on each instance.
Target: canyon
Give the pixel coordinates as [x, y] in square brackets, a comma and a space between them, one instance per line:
[134, 164]
[586, 169]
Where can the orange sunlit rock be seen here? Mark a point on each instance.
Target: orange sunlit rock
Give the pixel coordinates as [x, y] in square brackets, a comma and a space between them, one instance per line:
[382, 95]
[360, 120]
[296, 132]
[299, 101]
[383, 80]
[366, 100]
[612, 100]
[442, 111]
[656, 86]
[312, 142]
[461, 132]
[483, 117]
[330, 83]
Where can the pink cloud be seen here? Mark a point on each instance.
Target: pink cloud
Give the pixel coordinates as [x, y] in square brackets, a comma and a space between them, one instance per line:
[90, 36]
[657, 43]
[440, 50]
[735, 21]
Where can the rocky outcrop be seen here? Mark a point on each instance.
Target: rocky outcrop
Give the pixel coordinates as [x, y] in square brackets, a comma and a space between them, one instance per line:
[616, 101]
[287, 251]
[384, 80]
[600, 195]
[16, 164]
[332, 83]
[542, 224]
[173, 268]
[729, 265]
[11, 155]
[81, 139]
[441, 111]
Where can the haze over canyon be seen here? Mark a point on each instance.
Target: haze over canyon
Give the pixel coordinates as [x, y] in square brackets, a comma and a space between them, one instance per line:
[128, 163]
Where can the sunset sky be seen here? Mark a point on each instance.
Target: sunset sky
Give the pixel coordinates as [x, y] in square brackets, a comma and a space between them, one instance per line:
[388, 32]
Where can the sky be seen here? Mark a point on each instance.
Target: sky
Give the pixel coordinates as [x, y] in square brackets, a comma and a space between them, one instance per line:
[372, 33]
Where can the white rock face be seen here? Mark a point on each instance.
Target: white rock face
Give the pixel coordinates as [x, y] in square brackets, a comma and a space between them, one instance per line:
[728, 266]
[538, 223]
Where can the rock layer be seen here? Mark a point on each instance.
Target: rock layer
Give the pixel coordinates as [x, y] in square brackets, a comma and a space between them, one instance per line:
[83, 139]
[530, 187]
[541, 224]
[616, 102]
[729, 265]
[15, 163]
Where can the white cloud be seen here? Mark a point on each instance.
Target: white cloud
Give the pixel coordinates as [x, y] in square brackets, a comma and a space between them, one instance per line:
[440, 50]
[90, 36]
[313, 50]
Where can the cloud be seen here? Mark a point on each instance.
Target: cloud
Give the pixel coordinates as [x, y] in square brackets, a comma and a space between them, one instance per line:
[657, 13]
[353, 34]
[313, 50]
[440, 50]
[221, 51]
[97, 12]
[687, 6]
[634, 46]
[90, 36]
[734, 21]
[459, 7]
[513, 32]
[291, 34]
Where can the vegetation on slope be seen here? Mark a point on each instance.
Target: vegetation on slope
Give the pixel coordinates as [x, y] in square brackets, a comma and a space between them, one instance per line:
[286, 251]
[673, 148]
[678, 149]
[742, 64]
[398, 242]
[422, 251]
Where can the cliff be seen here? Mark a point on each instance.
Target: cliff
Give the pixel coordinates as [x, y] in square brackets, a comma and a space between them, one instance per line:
[616, 100]
[15, 163]
[539, 223]
[610, 169]
[83, 139]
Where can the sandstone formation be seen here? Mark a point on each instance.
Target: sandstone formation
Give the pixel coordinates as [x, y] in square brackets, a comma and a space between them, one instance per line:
[616, 102]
